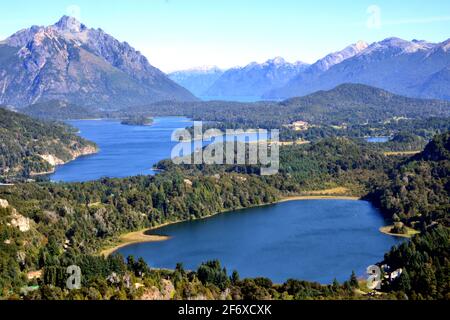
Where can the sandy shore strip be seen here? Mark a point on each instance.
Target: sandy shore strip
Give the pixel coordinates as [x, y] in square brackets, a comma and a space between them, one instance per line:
[299, 198]
[143, 236]
[132, 238]
[409, 235]
[338, 193]
[401, 153]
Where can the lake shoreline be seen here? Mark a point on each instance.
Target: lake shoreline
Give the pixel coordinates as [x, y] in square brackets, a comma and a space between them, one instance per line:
[141, 147]
[319, 197]
[135, 237]
[143, 236]
[88, 150]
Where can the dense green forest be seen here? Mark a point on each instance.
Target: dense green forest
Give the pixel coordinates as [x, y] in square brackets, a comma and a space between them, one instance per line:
[328, 163]
[425, 265]
[59, 110]
[26, 145]
[45, 227]
[68, 223]
[419, 130]
[348, 104]
[418, 189]
[417, 194]
[350, 110]
[137, 121]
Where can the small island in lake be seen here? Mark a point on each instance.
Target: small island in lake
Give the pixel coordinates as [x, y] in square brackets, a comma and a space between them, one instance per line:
[138, 121]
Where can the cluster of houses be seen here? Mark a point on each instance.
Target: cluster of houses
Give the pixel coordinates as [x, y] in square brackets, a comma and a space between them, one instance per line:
[391, 275]
[298, 126]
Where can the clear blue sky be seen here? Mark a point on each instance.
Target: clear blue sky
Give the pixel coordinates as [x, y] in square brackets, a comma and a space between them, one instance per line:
[176, 34]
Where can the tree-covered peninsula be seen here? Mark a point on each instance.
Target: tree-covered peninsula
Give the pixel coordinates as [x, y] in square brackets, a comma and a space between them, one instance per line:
[30, 147]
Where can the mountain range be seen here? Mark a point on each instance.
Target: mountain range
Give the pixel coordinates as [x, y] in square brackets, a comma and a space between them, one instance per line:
[88, 68]
[411, 68]
[254, 79]
[69, 61]
[414, 68]
[197, 80]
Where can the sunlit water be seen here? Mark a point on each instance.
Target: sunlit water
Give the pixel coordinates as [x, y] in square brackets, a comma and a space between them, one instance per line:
[378, 139]
[126, 150]
[316, 240]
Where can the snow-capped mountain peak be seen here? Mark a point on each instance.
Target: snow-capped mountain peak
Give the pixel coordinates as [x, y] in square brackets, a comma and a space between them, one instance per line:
[398, 46]
[277, 61]
[205, 69]
[444, 46]
[68, 59]
[337, 57]
[69, 24]
[412, 68]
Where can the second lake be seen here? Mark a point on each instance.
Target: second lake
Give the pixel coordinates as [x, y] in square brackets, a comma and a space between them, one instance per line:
[315, 240]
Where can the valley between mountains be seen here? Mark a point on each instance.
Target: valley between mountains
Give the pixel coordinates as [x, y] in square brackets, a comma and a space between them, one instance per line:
[364, 146]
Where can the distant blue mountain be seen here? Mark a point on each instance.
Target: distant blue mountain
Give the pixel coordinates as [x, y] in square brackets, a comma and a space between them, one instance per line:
[254, 79]
[411, 68]
[197, 80]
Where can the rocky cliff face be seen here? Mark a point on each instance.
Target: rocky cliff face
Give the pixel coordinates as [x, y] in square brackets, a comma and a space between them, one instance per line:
[16, 219]
[68, 61]
[74, 154]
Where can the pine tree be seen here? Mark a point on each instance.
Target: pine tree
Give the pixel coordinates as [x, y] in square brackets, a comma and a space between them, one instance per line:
[354, 280]
[235, 277]
[404, 282]
[335, 285]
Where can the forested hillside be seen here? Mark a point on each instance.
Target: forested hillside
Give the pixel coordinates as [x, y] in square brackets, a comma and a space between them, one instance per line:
[29, 147]
[425, 265]
[348, 104]
[59, 110]
[325, 164]
[349, 110]
[418, 190]
[417, 195]
[67, 221]
[355, 103]
[56, 225]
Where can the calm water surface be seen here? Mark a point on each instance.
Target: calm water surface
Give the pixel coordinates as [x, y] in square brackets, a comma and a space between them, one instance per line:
[126, 150]
[378, 139]
[316, 240]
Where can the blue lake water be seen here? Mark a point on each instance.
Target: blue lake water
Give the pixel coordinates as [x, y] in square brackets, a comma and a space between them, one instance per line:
[316, 240]
[378, 139]
[125, 150]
